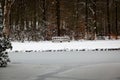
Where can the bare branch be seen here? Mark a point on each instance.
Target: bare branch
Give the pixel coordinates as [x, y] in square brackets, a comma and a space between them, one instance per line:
[93, 12]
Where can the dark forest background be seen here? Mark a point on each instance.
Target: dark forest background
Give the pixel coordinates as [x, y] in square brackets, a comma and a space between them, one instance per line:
[35, 20]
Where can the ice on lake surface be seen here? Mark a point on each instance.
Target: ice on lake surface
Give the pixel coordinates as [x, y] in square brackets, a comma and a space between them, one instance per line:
[82, 65]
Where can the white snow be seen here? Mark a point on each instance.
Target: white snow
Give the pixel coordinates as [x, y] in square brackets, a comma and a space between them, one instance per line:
[73, 45]
[64, 65]
[82, 65]
[92, 72]
[81, 57]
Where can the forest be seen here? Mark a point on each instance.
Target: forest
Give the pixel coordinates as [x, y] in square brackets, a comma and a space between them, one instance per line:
[35, 20]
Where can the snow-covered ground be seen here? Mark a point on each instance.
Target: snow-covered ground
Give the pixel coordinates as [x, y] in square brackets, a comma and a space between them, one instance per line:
[75, 57]
[66, 46]
[46, 61]
[82, 65]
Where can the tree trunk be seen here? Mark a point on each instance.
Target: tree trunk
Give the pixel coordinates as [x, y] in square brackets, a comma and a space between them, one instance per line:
[116, 20]
[58, 16]
[6, 21]
[34, 20]
[44, 12]
[86, 19]
[108, 19]
[95, 18]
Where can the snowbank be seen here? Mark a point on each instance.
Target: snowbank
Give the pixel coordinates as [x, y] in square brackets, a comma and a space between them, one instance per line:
[66, 46]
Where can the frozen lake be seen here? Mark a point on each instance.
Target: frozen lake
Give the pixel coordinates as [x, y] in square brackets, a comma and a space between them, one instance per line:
[80, 57]
[83, 65]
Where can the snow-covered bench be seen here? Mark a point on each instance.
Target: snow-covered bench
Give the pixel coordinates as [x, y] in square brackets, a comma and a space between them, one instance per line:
[61, 39]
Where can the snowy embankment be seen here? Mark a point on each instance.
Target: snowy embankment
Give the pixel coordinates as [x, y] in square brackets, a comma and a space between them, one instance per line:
[44, 46]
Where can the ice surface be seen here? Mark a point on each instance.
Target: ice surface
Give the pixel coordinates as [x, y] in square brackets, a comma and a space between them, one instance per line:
[82, 57]
[63, 65]
[83, 65]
